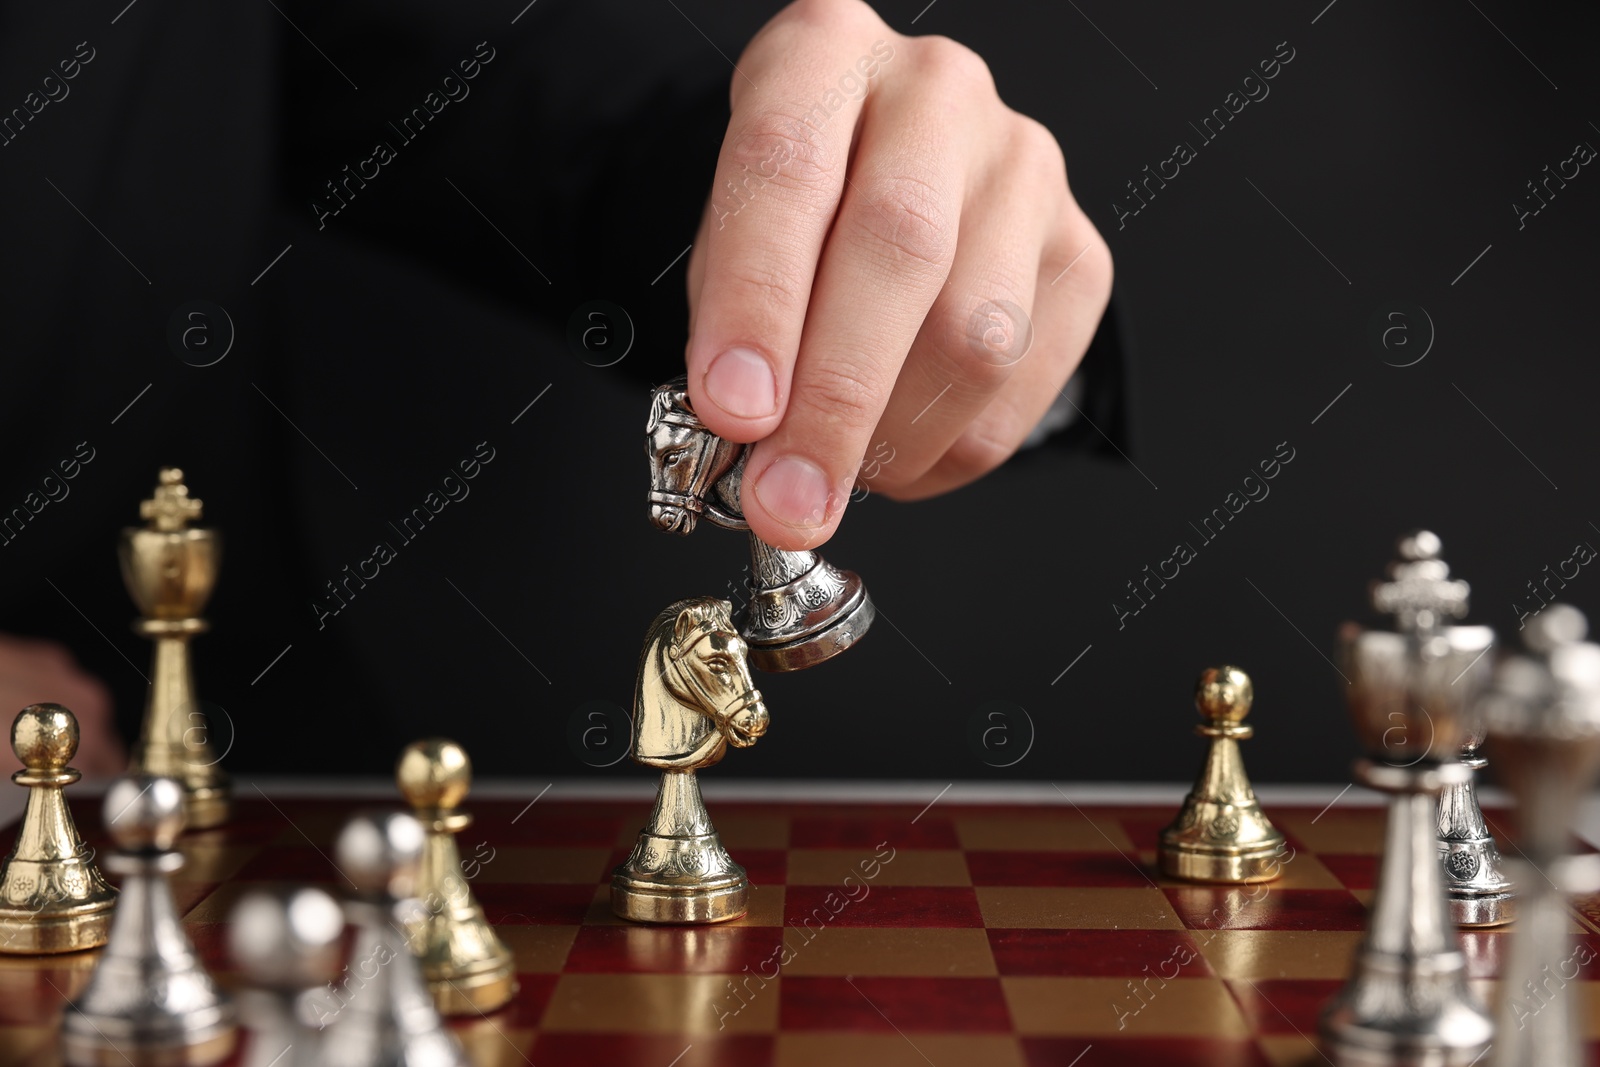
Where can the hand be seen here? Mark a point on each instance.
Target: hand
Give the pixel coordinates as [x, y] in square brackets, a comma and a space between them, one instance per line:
[43, 672]
[890, 260]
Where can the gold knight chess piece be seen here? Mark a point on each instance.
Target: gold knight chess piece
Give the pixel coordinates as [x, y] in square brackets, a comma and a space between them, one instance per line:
[693, 699]
[1221, 835]
[467, 967]
[170, 569]
[52, 897]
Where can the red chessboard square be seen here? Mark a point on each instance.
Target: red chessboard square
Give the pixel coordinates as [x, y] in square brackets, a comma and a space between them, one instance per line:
[849, 830]
[969, 1005]
[673, 949]
[638, 1050]
[1077, 869]
[1261, 907]
[534, 904]
[1098, 953]
[1143, 1052]
[1284, 1005]
[885, 905]
[1355, 871]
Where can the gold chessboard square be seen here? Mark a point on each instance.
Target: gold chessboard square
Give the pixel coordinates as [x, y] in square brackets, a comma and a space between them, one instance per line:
[892, 951]
[896, 1050]
[1108, 1007]
[659, 1004]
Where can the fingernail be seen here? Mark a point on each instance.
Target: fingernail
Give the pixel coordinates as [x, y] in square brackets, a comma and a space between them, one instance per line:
[794, 491]
[741, 383]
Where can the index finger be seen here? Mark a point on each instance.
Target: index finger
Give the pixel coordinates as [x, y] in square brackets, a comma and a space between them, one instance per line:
[780, 176]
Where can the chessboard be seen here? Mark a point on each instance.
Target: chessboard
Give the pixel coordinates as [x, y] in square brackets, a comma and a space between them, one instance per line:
[878, 934]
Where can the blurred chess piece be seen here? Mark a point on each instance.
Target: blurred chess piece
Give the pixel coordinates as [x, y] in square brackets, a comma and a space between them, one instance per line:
[801, 608]
[1407, 1001]
[467, 967]
[693, 699]
[1221, 834]
[170, 568]
[390, 1019]
[286, 941]
[1480, 891]
[52, 897]
[149, 1003]
[1544, 712]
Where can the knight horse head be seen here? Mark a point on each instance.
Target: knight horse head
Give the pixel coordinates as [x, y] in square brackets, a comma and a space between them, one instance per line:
[694, 695]
[801, 609]
[693, 472]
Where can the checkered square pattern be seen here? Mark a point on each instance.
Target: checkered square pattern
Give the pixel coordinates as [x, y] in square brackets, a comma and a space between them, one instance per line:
[878, 935]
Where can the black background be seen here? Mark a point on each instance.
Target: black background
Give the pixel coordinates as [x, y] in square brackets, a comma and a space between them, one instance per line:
[410, 329]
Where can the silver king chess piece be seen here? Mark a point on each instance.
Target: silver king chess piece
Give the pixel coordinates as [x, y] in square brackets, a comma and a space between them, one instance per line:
[1407, 1003]
[801, 609]
[692, 700]
[389, 1019]
[149, 1003]
[286, 940]
[1544, 710]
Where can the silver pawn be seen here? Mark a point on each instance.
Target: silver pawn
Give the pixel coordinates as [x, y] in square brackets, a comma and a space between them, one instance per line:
[149, 1000]
[389, 1019]
[1544, 709]
[286, 941]
[1480, 891]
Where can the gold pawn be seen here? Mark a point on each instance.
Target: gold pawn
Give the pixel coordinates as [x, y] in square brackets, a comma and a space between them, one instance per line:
[52, 897]
[170, 569]
[467, 967]
[1221, 834]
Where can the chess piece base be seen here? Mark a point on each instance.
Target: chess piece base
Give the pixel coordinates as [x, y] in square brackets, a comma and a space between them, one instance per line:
[206, 807]
[1495, 909]
[679, 880]
[1407, 1002]
[474, 994]
[197, 1049]
[28, 933]
[1236, 866]
[843, 630]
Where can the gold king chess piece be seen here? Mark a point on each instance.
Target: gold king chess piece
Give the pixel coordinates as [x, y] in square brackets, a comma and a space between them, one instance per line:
[1221, 835]
[692, 700]
[170, 568]
[52, 897]
[467, 967]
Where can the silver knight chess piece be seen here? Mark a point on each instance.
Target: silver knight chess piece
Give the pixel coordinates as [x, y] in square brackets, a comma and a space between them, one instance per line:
[802, 609]
[1544, 709]
[1407, 1003]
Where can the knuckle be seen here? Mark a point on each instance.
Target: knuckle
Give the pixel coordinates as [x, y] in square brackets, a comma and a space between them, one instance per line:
[829, 13]
[903, 215]
[778, 148]
[981, 448]
[1036, 149]
[960, 65]
[1093, 273]
[839, 398]
[762, 284]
